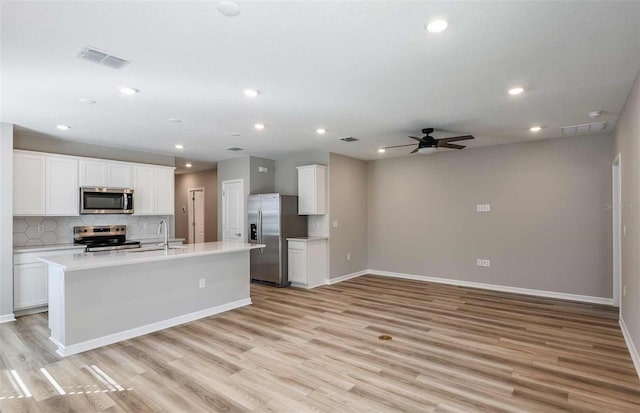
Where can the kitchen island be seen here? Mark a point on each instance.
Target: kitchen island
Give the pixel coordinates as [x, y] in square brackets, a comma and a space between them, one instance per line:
[100, 298]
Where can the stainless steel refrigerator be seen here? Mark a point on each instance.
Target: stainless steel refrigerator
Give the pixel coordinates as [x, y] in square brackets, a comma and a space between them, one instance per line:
[272, 219]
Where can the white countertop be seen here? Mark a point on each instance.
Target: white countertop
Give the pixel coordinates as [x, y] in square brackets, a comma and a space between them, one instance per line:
[41, 248]
[142, 255]
[307, 239]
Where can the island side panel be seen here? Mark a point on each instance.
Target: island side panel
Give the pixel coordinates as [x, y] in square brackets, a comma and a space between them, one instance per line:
[56, 303]
[131, 300]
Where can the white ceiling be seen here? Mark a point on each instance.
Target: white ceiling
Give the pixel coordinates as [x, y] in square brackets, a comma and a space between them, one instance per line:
[362, 69]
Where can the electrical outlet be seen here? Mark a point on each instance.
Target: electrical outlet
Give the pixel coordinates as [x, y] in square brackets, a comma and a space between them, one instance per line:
[486, 208]
[348, 256]
[486, 263]
[202, 283]
[41, 228]
[624, 230]
[624, 291]
[335, 224]
[479, 208]
[479, 262]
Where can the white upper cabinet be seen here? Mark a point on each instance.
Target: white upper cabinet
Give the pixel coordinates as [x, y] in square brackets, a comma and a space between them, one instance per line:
[99, 173]
[312, 190]
[153, 188]
[62, 190]
[28, 184]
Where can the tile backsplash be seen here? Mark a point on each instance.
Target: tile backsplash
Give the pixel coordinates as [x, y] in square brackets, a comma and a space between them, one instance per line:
[28, 231]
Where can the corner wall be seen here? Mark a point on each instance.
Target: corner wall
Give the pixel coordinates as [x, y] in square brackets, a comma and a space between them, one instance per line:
[549, 227]
[6, 222]
[627, 143]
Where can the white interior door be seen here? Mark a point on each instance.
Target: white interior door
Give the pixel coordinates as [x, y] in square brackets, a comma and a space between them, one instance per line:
[233, 218]
[196, 216]
[617, 231]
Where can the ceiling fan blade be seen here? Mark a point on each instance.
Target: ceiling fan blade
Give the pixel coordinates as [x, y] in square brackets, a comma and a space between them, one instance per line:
[456, 138]
[415, 150]
[418, 139]
[451, 146]
[398, 146]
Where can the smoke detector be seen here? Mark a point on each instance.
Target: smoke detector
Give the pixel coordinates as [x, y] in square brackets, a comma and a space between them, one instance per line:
[103, 58]
[595, 114]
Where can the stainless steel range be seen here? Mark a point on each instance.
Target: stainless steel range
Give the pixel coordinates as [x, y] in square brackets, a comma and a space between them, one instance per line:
[103, 238]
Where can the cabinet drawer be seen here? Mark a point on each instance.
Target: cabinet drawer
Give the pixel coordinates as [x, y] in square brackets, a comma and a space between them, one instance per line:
[297, 245]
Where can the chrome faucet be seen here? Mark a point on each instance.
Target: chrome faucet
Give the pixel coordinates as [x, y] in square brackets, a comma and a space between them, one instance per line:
[164, 226]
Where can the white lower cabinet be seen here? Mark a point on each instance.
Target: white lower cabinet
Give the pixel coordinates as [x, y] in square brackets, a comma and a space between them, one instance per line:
[307, 261]
[30, 278]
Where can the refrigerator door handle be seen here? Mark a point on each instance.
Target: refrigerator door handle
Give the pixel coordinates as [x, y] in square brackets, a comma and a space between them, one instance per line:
[260, 229]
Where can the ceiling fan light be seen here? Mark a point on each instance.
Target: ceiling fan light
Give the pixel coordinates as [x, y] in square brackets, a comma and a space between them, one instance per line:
[427, 150]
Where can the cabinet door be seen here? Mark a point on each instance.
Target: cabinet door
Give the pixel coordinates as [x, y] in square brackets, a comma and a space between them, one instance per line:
[118, 175]
[306, 191]
[164, 185]
[143, 190]
[93, 173]
[297, 266]
[28, 184]
[62, 189]
[30, 285]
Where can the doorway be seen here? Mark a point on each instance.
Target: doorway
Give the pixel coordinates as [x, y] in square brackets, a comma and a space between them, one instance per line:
[233, 215]
[196, 215]
[616, 204]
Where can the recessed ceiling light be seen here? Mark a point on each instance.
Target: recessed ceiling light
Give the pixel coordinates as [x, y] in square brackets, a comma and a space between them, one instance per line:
[174, 120]
[63, 127]
[250, 93]
[235, 134]
[437, 26]
[126, 90]
[228, 8]
[259, 126]
[188, 165]
[516, 90]
[178, 146]
[88, 101]
[382, 150]
[535, 128]
[321, 131]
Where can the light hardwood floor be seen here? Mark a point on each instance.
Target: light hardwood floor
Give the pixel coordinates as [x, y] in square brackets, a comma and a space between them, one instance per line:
[453, 349]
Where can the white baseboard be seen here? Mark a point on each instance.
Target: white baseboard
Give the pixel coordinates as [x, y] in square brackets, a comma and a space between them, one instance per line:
[336, 280]
[69, 350]
[632, 348]
[306, 286]
[494, 287]
[7, 318]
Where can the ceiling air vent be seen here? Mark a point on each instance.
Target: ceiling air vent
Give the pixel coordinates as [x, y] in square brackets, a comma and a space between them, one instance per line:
[234, 149]
[585, 128]
[94, 55]
[349, 139]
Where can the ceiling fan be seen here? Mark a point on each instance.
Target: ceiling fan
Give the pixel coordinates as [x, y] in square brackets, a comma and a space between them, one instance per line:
[428, 144]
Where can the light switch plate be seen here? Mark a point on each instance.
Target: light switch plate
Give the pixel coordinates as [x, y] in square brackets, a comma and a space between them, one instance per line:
[486, 208]
[479, 208]
[479, 262]
[335, 224]
[486, 263]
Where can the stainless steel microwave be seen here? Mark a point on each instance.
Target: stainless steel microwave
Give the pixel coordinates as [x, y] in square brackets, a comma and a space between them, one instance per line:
[106, 200]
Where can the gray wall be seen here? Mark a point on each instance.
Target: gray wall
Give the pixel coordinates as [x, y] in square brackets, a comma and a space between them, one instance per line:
[6, 221]
[26, 141]
[238, 168]
[627, 139]
[549, 227]
[286, 173]
[348, 206]
[261, 182]
[208, 180]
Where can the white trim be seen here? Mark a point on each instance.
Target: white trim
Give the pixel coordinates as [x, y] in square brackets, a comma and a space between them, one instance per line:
[69, 350]
[7, 318]
[336, 280]
[616, 222]
[494, 287]
[632, 348]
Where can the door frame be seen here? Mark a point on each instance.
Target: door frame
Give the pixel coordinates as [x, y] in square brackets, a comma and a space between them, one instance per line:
[243, 211]
[616, 205]
[190, 233]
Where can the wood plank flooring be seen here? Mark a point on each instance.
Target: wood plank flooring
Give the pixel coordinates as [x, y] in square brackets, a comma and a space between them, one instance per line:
[454, 349]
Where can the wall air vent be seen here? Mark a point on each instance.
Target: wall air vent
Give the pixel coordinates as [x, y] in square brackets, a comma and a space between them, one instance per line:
[234, 149]
[585, 128]
[100, 57]
[349, 139]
